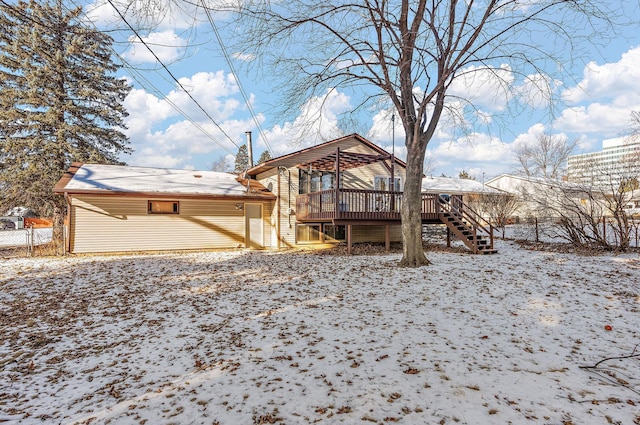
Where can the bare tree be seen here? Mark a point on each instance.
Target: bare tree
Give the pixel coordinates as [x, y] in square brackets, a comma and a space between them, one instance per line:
[546, 157]
[635, 126]
[220, 165]
[592, 209]
[499, 207]
[410, 53]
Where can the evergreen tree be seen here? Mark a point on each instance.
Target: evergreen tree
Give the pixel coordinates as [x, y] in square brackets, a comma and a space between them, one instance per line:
[242, 160]
[264, 157]
[465, 175]
[59, 101]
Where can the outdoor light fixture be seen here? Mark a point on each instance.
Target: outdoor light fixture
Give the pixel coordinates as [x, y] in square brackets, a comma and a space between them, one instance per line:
[239, 206]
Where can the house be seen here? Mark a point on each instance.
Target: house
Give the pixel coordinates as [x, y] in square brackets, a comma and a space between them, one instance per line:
[454, 186]
[115, 208]
[346, 189]
[545, 197]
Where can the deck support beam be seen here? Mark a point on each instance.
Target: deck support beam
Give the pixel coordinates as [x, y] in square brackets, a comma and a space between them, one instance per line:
[387, 238]
[349, 239]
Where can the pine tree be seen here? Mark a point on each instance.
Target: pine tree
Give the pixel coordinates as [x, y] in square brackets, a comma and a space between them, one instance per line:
[59, 101]
[465, 175]
[264, 157]
[242, 160]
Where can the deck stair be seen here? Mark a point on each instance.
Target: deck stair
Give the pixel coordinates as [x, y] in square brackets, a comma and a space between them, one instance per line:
[468, 226]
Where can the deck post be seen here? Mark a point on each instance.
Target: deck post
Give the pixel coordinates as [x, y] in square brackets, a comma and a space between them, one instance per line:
[348, 239]
[387, 241]
[392, 186]
[448, 237]
[337, 188]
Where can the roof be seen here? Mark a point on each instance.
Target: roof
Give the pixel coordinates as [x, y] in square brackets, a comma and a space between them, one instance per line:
[325, 160]
[118, 179]
[514, 183]
[448, 185]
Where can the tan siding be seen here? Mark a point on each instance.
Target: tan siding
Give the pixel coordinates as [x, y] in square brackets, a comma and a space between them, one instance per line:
[287, 233]
[111, 224]
[356, 178]
[376, 233]
[363, 177]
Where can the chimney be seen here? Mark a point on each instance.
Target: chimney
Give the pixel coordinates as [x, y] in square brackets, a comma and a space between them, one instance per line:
[249, 148]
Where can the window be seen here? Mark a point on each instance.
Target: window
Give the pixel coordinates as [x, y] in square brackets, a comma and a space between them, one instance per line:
[308, 232]
[384, 183]
[317, 232]
[336, 232]
[163, 207]
[315, 181]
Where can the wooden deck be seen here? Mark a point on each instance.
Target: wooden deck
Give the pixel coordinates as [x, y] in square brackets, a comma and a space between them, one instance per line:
[354, 206]
[360, 205]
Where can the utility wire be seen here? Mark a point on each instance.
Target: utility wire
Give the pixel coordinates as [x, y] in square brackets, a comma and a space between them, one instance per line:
[235, 74]
[170, 73]
[149, 86]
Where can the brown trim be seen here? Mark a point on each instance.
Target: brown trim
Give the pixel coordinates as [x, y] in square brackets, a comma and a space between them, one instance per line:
[66, 177]
[163, 195]
[272, 163]
[256, 190]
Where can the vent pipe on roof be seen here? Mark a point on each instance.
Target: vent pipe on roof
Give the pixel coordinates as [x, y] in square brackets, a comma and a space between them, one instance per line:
[249, 148]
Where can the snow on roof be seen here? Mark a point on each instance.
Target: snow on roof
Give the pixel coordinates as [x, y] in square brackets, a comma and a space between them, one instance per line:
[448, 185]
[117, 178]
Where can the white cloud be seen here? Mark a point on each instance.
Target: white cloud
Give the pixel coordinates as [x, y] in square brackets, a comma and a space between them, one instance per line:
[166, 45]
[317, 123]
[159, 14]
[608, 119]
[212, 90]
[478, 152]
[161, 136]
[487, 88]
[244, 57]
[602, 101]
[617, 81]
[536, 90]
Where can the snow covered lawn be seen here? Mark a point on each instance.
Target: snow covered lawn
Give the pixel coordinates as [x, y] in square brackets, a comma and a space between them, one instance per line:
[296, 337]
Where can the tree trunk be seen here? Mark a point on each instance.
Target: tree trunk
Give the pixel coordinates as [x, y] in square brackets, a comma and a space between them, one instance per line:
[411, 210]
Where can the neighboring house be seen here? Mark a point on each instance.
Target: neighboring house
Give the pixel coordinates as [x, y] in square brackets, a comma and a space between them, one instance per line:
[542, 196]
[454, 186]
[115, 208]
[471, 190]
[346, 189]
[23, 212]
[633, 205]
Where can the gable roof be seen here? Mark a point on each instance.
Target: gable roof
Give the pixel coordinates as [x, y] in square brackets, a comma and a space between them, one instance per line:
[126, 180]
[453, 186]
[324, 154]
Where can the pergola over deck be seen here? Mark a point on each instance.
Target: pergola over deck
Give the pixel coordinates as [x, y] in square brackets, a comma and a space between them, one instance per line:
[379, 207]
[356, 206]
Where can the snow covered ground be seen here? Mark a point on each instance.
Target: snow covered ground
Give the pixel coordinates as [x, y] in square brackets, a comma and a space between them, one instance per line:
[248, 337]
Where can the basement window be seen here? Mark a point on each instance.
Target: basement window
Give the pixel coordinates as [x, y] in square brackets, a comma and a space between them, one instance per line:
[163, 207]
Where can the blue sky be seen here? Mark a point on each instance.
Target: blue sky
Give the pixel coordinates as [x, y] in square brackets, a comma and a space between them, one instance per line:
[598, 96]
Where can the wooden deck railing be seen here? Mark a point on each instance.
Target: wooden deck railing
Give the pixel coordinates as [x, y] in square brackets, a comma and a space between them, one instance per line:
[356, 204]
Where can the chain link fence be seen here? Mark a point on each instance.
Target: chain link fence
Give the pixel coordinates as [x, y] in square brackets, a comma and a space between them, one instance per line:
[42, 241]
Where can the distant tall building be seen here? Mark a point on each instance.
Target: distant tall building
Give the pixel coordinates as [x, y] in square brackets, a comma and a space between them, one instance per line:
[616, 163]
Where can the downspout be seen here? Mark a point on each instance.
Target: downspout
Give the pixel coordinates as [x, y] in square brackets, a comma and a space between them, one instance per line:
[67, 242]
[278, 213]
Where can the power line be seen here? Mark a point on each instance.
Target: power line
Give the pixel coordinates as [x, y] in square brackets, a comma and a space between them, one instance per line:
[235, 74]
[149, 86]
[170, 73]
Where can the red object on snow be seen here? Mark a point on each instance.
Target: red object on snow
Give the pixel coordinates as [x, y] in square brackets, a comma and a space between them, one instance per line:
[608, 327]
